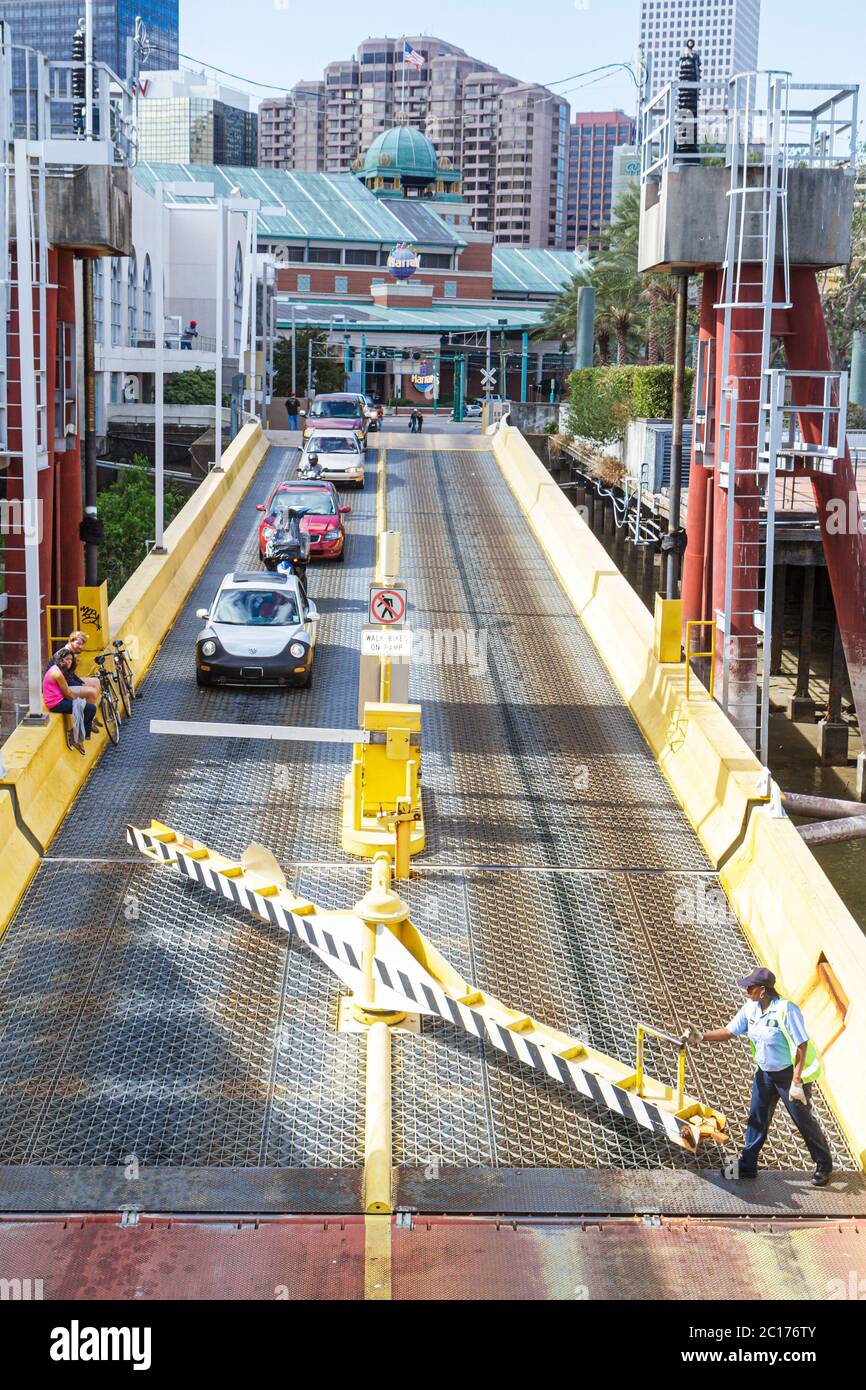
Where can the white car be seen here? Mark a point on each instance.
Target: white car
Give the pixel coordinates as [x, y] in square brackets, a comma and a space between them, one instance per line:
[337, 456]
[473, 410]
[259, 630]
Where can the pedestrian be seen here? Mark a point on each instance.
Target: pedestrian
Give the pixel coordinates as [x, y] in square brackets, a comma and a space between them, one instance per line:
[293, 410]
[786, 1064]
[189, 335]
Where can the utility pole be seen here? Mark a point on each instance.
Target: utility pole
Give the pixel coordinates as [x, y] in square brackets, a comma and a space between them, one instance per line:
[91, 544]
[673, 542]
[310, 367]
[294, 354]
[220, 334]
[489, 351]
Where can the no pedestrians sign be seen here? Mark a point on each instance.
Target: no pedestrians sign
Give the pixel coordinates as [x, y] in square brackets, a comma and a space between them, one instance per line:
[387, 605]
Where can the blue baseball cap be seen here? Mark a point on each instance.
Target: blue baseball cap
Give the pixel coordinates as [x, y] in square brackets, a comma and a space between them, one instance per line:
[759, 976]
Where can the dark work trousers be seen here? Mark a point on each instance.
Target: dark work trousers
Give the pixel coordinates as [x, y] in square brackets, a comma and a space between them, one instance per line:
[768, 1088]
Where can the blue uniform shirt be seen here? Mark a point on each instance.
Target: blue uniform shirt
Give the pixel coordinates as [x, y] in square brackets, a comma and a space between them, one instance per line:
[772, 1052]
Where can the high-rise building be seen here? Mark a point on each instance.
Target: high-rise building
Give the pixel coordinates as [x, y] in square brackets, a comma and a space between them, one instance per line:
[531, 167]
[50, 24]
[186, 118]
[292, 129]
[725, 34]
[465, 106]
[593, 138]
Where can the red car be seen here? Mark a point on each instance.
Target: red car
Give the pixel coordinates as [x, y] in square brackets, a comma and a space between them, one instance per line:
[323, 522]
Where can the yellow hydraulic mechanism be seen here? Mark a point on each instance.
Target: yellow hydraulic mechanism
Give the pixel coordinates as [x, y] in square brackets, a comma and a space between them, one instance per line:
[382, 793]
[393, 969]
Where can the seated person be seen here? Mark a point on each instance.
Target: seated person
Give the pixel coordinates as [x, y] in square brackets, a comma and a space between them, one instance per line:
[75, 643]
[58, 695]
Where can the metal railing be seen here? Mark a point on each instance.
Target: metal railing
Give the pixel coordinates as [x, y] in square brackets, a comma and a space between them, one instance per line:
[44, 107]
[821, 131]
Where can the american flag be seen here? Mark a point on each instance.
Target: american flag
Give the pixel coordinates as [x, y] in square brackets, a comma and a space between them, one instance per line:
[413, 57]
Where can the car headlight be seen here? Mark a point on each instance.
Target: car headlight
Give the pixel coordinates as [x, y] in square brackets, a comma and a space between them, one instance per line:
[331, 535]
[297, 650]
[267, 530]
[208, 648]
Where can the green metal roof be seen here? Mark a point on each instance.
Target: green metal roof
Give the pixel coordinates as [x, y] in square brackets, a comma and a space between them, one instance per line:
[373, 318]
[402, 150]
[521, 270]
[301, 207]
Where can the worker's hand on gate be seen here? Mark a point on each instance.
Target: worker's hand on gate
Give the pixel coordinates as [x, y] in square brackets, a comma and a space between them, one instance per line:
[797, 1093]
[691, 1036]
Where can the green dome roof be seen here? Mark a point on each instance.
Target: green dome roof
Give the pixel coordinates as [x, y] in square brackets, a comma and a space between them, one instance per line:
[402, 150]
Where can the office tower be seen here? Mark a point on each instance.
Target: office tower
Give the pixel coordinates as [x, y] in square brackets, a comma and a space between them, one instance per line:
[593, 138]
[531, 167]
[50, 24]
[187, 118]
[292, 129]
[725, 34]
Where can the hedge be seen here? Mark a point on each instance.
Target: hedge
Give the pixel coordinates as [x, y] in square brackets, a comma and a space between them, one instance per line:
[603, 400]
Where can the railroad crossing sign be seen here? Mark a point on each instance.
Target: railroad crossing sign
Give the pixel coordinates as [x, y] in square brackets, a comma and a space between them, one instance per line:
[488, 378]
[387, 605]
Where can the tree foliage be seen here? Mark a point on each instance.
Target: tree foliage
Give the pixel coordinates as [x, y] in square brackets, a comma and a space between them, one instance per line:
[843, 289]
[328, 371]
[634, 314]
[189, 388]
[126, 510]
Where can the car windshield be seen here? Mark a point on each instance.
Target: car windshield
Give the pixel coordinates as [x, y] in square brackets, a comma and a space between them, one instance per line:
[335, 410]
[257, 608]
[349, 445]
[318, 502]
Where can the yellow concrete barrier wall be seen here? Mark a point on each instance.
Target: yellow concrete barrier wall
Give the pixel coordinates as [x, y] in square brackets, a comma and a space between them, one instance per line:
[714, 775]
[795, 920]
[45, 775]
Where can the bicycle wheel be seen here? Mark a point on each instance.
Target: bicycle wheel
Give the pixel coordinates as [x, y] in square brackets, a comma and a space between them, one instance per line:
[123, 697]
[128, 675]
[108, 715]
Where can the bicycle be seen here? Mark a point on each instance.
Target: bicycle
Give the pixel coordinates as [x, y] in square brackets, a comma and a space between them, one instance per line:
[108, 702]
[125, 675]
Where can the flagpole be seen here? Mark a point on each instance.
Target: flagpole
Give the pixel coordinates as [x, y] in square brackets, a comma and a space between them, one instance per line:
[403, 58]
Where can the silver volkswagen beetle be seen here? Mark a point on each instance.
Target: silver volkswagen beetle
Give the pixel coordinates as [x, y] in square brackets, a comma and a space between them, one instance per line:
[260, 630]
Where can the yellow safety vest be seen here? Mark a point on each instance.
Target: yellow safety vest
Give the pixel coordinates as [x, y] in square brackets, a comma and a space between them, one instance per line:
[812, 1065]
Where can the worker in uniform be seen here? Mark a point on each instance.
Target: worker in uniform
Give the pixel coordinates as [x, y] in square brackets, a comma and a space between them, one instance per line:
[786, 1064]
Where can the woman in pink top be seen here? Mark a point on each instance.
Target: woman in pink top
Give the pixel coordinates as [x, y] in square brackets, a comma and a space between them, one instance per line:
[58, 695]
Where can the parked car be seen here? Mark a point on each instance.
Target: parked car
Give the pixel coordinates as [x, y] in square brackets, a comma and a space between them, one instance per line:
[323, 522]
[473, 410]
[343, 410]
[337, 455]
[259, 630]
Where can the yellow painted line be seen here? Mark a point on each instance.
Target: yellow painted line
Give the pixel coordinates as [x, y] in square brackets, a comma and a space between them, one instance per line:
[377, 1258]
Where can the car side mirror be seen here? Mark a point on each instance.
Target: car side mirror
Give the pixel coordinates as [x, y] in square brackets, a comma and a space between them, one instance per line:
[260, 507]
[201, 613]
[313, 617]
[344, 511]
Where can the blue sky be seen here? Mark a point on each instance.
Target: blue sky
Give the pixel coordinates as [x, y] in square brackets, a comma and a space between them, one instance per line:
[281, 41]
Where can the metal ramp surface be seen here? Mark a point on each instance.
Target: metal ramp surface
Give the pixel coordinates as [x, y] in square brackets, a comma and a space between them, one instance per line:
[143, 1023]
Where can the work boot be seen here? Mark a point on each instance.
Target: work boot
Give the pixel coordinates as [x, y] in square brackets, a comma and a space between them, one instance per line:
[821, 1178]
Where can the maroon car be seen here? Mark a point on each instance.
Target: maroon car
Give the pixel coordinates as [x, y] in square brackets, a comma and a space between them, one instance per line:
[341, 410]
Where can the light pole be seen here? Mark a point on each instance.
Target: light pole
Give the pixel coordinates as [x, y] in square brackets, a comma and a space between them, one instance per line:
[294, 354]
